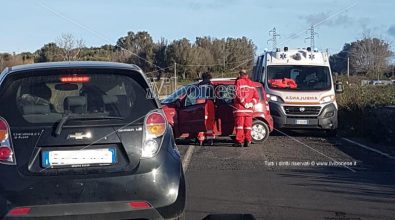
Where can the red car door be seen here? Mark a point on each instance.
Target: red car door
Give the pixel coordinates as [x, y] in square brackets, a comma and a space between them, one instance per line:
[191, 115]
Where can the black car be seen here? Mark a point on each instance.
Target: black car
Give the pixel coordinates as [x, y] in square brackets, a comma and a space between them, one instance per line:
[82, 140]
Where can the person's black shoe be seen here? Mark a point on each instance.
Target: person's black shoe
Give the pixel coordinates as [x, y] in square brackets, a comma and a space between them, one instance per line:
[237, 145]
[209, 142]
[247, 144]
[198, 142]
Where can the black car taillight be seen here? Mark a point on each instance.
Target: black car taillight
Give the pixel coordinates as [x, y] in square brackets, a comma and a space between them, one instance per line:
[19, 211]
[154, 129]
[6, 150]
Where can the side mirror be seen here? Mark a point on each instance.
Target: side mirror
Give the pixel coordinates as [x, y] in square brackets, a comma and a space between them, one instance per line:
[339, 87]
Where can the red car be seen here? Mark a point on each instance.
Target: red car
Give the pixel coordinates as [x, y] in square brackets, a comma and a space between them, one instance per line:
[185, 110]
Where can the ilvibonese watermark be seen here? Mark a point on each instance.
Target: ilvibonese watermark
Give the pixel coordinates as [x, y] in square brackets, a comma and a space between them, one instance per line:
[311, 163]
[164, 88]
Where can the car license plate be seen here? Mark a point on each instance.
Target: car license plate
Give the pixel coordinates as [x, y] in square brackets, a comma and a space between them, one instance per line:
[302, 122]
[79, 158]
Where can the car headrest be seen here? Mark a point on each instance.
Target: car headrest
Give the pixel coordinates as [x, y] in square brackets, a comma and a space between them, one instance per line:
[36, 109]
[76, 104]
[75, 100]
[28, 99]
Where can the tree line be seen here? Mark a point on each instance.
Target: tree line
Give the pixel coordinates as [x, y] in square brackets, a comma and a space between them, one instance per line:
[155, 58]
[369, 56]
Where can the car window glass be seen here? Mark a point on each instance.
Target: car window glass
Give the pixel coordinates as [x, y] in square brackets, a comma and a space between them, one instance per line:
[225, 93]
[192, 96]
[44, 97]
[178, 94]
[198, 95]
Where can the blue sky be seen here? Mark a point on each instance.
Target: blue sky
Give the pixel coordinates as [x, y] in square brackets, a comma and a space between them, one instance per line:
[27, 25]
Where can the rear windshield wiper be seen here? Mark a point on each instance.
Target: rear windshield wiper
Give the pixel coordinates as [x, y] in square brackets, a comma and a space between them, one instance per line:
[68, 117]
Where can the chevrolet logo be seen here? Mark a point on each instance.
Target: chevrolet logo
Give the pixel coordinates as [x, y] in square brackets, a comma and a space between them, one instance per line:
[80, 136]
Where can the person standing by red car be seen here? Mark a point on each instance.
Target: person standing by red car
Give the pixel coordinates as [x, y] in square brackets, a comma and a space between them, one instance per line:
[246, 98]
[207, 92]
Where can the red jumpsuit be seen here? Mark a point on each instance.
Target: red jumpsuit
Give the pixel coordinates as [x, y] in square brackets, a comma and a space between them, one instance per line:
[246, 98]
[209, 121]
[207, 91]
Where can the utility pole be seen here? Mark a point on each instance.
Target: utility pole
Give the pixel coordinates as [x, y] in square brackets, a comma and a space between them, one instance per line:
[312, 36]
[348, 67]
[175, 76]
[273, 33]
[224, 53]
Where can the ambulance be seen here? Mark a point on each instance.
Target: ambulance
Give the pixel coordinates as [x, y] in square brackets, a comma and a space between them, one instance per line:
[300, 88]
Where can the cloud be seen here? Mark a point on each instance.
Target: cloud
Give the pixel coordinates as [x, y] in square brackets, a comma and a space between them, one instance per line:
[325, 19]
[314, 18]
[391, 30]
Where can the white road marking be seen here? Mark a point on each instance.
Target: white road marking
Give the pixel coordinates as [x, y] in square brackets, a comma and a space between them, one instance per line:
[187, 158]
[317, 151]
[369, 148]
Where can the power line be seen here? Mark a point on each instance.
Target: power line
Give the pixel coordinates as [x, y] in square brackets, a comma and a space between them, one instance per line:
[319, 23]
[218, 64]
[246, 61]
[162, 69]
[99, 35]
[336, 14]
[192, 65]
[240, 63]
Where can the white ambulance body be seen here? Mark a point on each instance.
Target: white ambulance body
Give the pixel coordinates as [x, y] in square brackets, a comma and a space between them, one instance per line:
[300, 88]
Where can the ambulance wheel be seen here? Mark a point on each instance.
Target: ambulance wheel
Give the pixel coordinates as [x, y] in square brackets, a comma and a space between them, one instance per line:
[259, 131]
[331, 133]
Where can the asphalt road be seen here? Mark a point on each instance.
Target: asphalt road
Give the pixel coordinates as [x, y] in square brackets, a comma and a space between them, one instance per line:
[305, 176]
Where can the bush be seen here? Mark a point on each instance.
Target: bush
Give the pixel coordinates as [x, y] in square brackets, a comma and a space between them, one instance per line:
[356, 97]
[380, 125]
[362, 112]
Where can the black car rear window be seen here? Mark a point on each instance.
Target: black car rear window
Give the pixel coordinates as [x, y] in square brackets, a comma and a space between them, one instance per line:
[45, 96]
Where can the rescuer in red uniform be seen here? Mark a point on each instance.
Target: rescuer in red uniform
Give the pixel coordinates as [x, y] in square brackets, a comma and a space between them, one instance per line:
[207, 92]
[246, 98]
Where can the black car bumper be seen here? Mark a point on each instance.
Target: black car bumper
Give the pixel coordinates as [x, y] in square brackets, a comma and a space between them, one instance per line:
[103, 197]
[327, 119]
[104, 210]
